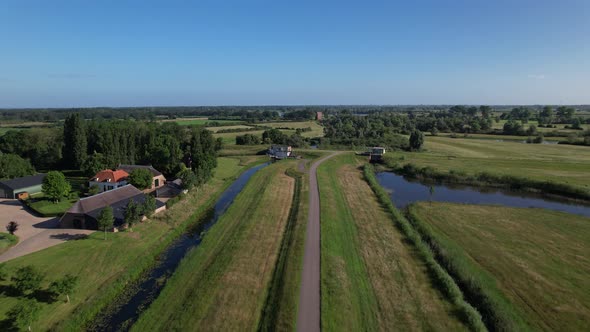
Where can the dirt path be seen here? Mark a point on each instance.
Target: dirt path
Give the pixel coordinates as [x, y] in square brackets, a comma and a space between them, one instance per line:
[308, 316]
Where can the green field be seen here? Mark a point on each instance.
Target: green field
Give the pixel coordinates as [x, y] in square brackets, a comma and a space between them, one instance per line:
[223, 283]
[371, 278]
[232, 127]
[559, 163]
[105, 267]
[559, 127]
[316, 129]
[200, 121]
[538, 260]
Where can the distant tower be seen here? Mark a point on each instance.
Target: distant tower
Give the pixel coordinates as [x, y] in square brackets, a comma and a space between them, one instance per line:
[319, 116]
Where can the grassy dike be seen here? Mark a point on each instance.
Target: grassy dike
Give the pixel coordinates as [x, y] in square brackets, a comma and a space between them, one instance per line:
[516, 261]
[280, 309]
[371, 278]
[223, 283]
[442, 280]
[107, 268]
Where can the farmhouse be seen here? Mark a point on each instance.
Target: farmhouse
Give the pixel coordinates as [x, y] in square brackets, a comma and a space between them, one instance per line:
[158, 179]
[25, 185]
[109, 179]
[279, 151]
[84, 213]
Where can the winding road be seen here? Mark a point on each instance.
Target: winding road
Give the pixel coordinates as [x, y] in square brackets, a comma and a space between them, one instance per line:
[308, 316]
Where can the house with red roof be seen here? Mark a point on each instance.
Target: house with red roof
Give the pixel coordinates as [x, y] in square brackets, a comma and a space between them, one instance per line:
[109, 179]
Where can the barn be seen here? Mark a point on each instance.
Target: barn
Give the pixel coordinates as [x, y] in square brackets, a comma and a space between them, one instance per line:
[28, 184]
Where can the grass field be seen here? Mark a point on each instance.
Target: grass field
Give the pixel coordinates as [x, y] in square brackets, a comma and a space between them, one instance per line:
[371, 278]
[559, 127]
[500, 137]
[316, 129]
[538, 259]
[223, 283]
[233, 127]
[559, 163]
[105, 267]
[7, 241]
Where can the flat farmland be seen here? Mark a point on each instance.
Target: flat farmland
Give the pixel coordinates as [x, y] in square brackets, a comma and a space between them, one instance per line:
[558, 163]
[539, 260]
[316, 129]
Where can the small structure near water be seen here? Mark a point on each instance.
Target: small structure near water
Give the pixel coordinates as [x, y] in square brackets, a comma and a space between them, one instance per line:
[376, 154]
[279, 151]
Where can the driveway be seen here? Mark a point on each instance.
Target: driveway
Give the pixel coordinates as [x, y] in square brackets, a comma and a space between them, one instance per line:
[34, 233]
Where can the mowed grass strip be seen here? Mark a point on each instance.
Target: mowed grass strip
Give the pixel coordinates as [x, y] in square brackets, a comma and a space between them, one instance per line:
[539, 259]
[222, 284]
[105, 267]
[558, 163]
[399, 283]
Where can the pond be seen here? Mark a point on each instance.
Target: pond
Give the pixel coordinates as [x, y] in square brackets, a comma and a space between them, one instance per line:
[404, 192]
[124, 315]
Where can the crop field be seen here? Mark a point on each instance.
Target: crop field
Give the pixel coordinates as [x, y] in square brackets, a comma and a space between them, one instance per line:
[539, 260]
[233, 127]
[200, 121]
[500, 137]
[102, 267]
[223, 283]
[559, 163]
[371, 278]
[230, 138]
[316, 129]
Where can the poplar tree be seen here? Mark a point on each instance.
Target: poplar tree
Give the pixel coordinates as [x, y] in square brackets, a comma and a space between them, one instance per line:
[75, 141]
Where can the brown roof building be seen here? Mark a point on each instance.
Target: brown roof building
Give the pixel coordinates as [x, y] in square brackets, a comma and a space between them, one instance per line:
[84, 213]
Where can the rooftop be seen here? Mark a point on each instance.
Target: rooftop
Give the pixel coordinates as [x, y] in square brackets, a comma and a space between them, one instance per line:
[110, 176]
[129, 168]
[27, 181]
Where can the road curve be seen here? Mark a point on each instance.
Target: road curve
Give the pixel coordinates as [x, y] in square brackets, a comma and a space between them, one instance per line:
[308, 316]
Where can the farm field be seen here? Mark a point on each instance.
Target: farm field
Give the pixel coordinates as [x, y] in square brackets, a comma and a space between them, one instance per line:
[199, 121]
[102, 268]
[371, 279]
[538, 259]
[559, 163]
[223, 283]
[559, 127]
[316, 129]
[234, 127]
[230, 138]
[500, 137]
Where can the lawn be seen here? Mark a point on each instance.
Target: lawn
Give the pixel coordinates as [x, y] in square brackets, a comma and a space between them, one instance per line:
[316, 129]
[48, 208]
[223, 283]
[371, 278]
[105, 267]
[539, 260]
[559, 163]
[7, 241]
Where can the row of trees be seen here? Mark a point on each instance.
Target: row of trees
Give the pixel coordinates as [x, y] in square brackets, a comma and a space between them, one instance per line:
[100, 144]
[273, 136]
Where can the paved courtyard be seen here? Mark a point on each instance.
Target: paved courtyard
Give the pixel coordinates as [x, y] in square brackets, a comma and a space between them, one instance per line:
[35, 233]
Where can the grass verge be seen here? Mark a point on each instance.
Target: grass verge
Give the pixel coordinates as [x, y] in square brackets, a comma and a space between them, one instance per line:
[442, 280]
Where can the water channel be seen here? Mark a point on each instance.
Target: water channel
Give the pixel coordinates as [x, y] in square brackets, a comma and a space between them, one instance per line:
[404, 192]
[123, 316]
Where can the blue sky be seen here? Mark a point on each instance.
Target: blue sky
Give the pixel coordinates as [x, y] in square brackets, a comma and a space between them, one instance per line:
[131, 53]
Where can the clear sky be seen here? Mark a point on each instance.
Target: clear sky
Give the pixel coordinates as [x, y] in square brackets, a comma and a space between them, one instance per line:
[131, 53]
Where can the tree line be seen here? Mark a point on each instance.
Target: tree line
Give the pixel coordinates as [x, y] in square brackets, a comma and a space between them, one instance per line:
[92, 145]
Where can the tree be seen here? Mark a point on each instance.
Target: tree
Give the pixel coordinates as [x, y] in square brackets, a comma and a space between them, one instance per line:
[3, 273]
[546, 115]
[75, 141]
[12, 227]
[106, 219]
[55, 186]
[416, 140]
[132, 214]
[187, 177]
[13, 166]
[149, 206]
[94, 164]
[141, 178]
[486, 111]
[576, 123]
[24, 313]
[64, 286]
[27, 278]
